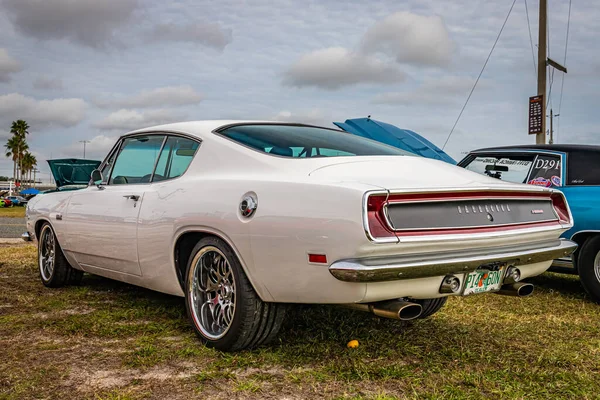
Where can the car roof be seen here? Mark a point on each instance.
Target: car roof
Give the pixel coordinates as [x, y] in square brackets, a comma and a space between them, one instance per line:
[556, 147]
[201, 128]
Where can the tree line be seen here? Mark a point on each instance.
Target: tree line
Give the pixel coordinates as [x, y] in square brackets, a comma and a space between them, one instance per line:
[17, 148]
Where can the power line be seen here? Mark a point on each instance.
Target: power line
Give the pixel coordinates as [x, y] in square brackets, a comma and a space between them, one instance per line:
[562, 81]
[530, 39]
[480, 73]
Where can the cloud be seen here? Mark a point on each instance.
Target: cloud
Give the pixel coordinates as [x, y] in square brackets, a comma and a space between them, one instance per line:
[126, 120]
[310, 117]
[97, 148]
[8, 65]
[47, 83]
[159, 97]
[88, 22]
[206, 34]
[335, 67]
[443, 91]
[411, 39]
[56, 112]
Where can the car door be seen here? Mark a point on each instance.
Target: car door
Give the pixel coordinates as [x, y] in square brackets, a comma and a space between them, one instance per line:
[102, 221]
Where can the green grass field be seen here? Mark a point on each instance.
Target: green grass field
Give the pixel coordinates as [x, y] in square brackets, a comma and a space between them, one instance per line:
[12, 212]
[108, 340]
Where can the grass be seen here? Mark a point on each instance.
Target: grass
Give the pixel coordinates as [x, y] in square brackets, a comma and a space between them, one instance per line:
[12, 212]
[109, 340]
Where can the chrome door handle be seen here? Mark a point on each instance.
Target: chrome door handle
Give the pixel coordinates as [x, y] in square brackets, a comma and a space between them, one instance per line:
[133, 197]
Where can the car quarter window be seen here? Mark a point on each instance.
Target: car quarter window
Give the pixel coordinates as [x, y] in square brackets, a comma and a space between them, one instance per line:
[175, 157]
[583, 168]
[136, 159]
[299, 141]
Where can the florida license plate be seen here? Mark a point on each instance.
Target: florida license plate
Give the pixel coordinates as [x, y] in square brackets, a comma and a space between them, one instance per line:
[483, 281]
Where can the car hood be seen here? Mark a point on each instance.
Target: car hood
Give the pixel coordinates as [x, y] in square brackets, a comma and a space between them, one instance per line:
[391, 135]
[406, 172]
[72, 171]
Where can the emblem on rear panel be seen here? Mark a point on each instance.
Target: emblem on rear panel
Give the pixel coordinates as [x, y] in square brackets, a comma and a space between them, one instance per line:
[537, 211]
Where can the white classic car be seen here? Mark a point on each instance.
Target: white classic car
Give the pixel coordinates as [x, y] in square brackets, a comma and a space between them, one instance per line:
[244, 218]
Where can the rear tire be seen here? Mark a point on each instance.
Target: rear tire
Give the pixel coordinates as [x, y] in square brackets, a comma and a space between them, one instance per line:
[588, 265]
[55, 270]
[224, 309]
[431, 306]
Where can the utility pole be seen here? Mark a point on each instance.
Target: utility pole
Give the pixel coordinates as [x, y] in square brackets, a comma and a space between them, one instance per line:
[551, 126]
[84, 142]
[540, 138]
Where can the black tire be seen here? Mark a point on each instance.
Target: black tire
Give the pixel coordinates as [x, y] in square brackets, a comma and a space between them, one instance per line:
[61, 273]
[588, 265]
[253, 323]
[431, 306]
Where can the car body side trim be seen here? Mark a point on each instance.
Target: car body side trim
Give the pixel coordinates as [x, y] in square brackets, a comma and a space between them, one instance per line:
[438, 264]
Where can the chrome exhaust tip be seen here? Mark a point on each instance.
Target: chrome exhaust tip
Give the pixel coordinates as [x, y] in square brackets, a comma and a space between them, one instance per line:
[520, 289]
[392, 309]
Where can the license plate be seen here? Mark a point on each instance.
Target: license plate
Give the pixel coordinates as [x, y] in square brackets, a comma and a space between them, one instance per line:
[483, 281]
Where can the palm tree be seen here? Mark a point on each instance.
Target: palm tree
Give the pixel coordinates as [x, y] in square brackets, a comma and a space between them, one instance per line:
[20, 129]
[12, 151]
[29, 162]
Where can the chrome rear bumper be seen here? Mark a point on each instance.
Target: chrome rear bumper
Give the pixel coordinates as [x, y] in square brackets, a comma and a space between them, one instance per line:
[436, 264]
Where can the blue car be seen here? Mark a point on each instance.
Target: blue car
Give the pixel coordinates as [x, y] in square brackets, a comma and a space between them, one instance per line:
[574, 170]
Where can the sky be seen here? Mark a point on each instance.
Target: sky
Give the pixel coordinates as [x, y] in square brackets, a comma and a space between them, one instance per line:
[93, 70]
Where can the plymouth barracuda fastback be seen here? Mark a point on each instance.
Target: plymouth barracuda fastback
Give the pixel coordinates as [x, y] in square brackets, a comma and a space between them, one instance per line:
[245, 218]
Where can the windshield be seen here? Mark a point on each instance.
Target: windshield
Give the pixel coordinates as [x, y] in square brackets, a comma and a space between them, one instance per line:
[305, 141]
[541, 170]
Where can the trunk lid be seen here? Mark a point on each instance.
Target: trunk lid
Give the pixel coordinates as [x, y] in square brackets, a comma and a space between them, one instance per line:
[72, 172]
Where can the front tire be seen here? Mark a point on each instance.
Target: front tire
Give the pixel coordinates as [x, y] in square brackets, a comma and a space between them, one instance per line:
[55, 270]
[588, 264]
[222, 305]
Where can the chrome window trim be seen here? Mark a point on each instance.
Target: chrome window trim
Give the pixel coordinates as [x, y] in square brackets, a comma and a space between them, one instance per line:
[167, 133]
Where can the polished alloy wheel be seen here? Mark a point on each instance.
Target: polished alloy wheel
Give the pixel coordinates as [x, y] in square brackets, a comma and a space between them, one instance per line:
[212, 293]
[47, 253]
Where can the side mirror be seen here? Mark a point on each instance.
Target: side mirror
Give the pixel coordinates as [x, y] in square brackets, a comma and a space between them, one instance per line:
[97, 178]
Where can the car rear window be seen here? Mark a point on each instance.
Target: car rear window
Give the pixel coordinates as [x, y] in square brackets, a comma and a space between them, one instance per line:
[299, 141]
[534, 169]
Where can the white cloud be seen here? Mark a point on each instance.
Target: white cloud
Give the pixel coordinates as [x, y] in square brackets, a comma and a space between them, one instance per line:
[97, 148]
[89, 22]
[126, 120]
[335, 67]
[8, 66]
[56, 112]
[159, 97]
[207, 34]
[411, 39]
[443, 91]
[310, 117]
[47, 83]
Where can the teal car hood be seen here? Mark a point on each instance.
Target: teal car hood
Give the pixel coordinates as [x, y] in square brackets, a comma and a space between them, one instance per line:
[72, 171]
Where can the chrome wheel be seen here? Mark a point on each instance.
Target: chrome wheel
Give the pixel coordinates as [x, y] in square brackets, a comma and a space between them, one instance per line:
[597, 266]
[47, 253]
[212, 292]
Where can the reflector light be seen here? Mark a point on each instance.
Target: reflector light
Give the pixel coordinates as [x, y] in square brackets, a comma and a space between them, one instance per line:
[317, 258]
[560, 206]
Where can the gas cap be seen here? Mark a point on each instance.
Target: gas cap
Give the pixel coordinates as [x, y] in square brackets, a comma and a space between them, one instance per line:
[248, 205]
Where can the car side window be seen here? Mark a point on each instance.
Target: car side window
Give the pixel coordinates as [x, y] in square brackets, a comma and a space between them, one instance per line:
[107, 166]
[176, 156]
[583, 168]
[136, 160]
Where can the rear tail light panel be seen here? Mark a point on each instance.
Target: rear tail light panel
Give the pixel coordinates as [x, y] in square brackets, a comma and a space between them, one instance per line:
[379, 229]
